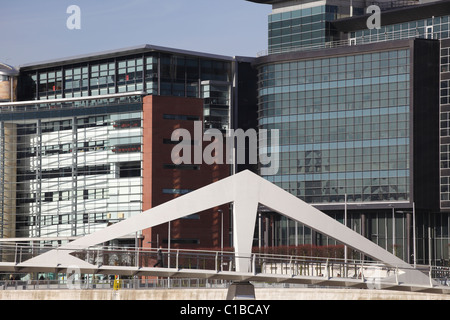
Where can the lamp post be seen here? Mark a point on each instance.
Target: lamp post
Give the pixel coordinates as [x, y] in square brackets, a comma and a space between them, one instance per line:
[345, 223]
[221, 229]
[413, 233]
[393, 229]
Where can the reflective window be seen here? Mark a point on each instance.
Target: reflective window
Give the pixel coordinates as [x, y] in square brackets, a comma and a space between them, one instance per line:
[344, 126]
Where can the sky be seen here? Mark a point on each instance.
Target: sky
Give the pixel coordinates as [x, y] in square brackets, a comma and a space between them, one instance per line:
[33, 30]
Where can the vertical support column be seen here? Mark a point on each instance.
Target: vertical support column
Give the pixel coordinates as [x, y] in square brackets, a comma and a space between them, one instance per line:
[245, 210]
[74, 177]
[408, 236]
[38, 179]
[2, 180]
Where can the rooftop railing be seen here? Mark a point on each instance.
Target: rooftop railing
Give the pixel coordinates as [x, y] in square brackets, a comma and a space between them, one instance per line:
[380, 37]
[80, 102]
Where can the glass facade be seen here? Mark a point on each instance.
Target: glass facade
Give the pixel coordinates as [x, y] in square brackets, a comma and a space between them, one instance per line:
[344, 126]
[297, 28]
[380, 227]
[430, 28]
[71, 167]
[156, 73]
[305, 27]
[445, 125]
[74, 172]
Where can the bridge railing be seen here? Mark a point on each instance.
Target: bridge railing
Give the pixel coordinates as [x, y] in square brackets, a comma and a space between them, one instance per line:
[221, 261]
[323, 267]
[145, 258]
[18, 252]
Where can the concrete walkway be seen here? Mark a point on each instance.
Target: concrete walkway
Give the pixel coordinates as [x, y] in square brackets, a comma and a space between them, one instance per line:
[218, 294]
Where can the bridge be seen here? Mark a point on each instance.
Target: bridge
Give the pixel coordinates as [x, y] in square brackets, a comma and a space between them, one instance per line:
[220, 266]
[246, 191]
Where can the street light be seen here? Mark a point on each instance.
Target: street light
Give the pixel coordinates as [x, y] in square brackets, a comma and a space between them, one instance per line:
[221, 228]
[414, 232]
[393, 229]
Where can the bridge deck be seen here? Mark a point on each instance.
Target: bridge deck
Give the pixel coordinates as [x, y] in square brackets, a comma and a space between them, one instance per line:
[362, 283]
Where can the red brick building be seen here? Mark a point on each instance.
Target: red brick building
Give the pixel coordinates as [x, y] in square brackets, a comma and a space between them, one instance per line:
[164, 181]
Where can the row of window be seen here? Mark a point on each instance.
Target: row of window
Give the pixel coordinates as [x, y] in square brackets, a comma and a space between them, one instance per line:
[445, 60]
[125, 121]
[63, 149]
[130, 74]
[381, 195]
[445, 92]
[343, 152]
[86, 146]
[291, 107]
[375, 119]
[349, 160]
[337, 117]
[337, 64]
[53, 196]
[375, 137]
[86, 194]
[438, 24]
[352, 165]
[445, 156]
[321, 93]
[65, 219]
[124, 170]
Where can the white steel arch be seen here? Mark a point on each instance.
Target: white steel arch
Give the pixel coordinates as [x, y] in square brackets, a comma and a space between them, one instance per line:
[246, 190]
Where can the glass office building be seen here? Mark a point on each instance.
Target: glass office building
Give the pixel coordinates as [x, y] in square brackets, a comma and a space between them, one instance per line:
[359, 115]
[295, 26]
[363, 114]
[344, 125]
[72, 148]
[75, 164]
[150, 69]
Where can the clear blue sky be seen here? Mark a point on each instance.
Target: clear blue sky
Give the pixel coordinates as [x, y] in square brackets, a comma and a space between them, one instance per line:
[35, 30]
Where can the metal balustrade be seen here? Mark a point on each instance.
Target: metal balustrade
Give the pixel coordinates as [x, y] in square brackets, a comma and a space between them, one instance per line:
[177, 262]
[66, 103]
[379, 37]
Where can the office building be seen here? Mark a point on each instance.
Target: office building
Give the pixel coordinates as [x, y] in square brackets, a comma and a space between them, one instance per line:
[359, 112]
[88, 144]
[363, 114]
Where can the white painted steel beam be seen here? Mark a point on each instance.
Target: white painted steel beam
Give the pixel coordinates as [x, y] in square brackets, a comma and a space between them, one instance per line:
[246, 190]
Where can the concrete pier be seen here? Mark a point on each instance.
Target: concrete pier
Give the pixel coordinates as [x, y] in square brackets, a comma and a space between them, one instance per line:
[218, 294]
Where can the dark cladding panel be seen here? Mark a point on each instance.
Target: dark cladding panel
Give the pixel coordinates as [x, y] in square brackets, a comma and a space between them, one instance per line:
[425, 124]
[246, 113]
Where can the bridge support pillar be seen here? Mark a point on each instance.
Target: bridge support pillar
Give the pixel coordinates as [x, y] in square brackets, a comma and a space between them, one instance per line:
[241, 291]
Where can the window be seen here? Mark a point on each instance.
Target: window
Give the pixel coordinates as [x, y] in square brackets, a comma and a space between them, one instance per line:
[48, 197]
[127, 124]
[129, 169]
[176, 191]
[180, 117]
[181, 166]
[126, 148]
[182, 241]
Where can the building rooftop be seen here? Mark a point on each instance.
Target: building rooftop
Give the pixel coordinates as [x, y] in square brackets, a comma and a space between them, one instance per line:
[116, 53]
[8, 70]
[396, 15]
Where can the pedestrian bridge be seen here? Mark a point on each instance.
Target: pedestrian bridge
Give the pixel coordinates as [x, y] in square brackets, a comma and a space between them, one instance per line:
[213, 266]
[246, 191]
